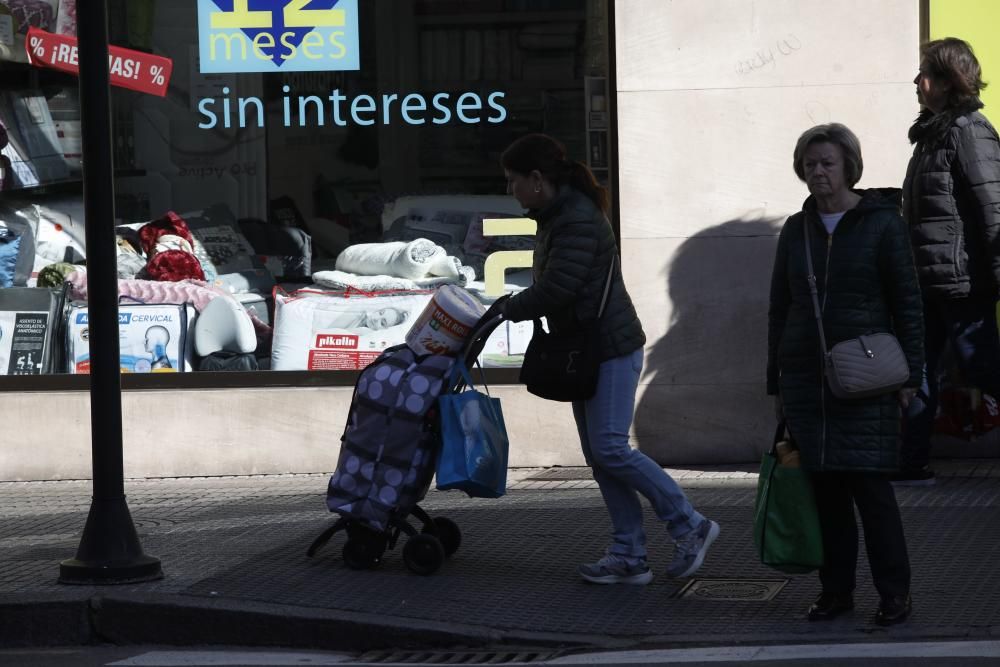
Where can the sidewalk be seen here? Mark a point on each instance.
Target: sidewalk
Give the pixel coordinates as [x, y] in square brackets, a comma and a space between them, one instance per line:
[233, 551]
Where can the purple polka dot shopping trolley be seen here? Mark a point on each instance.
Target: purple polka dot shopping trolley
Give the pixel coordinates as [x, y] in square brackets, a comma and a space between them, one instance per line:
[387, 458]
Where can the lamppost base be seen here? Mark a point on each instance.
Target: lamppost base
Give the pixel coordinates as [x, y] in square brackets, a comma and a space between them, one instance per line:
[110, 552]
[137, 570]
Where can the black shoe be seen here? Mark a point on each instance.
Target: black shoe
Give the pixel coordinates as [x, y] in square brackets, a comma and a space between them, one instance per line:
[829, 606]
[893, 610]
[913, 477]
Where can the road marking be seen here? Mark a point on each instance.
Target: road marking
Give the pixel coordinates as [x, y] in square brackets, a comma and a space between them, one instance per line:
[224, 658]
[741, 654]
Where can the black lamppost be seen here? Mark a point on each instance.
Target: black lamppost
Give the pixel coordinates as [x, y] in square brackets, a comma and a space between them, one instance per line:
[109, 551]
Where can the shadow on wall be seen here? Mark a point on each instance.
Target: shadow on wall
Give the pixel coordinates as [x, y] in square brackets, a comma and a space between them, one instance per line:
[703, 387]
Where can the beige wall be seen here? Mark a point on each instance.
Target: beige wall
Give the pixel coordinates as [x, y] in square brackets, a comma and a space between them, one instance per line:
[232, 432]
[712, 95]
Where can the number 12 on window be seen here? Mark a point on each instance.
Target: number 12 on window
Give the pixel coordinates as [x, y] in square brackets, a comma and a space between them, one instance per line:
[294, 13]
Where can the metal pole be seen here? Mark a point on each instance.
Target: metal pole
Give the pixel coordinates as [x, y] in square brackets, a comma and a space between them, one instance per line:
[109, 551]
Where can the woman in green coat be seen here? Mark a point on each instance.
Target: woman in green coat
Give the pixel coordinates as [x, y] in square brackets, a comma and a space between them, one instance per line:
[867, 283]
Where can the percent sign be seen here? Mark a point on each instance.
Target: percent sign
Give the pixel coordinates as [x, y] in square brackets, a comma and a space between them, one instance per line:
[157, 72]
[37, 47]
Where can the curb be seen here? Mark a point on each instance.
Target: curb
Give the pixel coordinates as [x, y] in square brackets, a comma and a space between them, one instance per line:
[179, 621]
[54, 622]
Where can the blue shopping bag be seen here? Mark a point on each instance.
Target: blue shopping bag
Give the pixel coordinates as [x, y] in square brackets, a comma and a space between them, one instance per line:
[474, 444]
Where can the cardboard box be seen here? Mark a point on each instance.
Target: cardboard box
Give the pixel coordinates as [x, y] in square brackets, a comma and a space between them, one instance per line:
[153, 338]
[29, 322]
[22, 342]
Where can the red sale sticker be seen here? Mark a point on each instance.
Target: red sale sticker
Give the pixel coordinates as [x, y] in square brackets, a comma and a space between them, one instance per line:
[127, 68]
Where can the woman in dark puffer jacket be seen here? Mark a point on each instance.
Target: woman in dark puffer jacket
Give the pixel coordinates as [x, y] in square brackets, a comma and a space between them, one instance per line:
[867, 284]
[951, 200]
[574, 251]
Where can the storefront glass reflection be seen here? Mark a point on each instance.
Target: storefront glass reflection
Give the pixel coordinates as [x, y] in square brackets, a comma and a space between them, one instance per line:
[294, 179]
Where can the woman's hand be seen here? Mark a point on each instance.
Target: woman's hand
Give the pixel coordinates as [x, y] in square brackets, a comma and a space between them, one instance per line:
[906, 395]
[496, 307]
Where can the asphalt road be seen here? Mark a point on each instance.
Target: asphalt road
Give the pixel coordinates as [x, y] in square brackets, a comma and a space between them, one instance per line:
[943, 654]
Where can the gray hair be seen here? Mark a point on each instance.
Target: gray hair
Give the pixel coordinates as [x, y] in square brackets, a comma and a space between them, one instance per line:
[833, 133]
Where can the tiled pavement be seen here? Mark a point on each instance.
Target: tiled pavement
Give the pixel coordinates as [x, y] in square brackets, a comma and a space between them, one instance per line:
[233, 551]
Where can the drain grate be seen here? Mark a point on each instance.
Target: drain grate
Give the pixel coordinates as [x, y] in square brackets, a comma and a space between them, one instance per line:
[455, 657]
[732, 590]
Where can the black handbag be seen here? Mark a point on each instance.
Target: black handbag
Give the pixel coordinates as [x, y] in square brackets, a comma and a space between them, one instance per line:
[563, 366]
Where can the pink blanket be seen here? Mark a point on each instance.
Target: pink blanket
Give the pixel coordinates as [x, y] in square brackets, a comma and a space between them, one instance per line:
[196, 292]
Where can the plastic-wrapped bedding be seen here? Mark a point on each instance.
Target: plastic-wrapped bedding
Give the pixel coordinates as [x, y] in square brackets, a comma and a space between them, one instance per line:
[316, 330]
[413, 259]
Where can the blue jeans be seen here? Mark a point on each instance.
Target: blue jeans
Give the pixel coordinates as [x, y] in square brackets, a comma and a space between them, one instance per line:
[970, 326]
[621, 472]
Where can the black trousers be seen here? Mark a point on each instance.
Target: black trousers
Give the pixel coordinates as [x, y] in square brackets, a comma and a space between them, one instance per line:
[837, 493]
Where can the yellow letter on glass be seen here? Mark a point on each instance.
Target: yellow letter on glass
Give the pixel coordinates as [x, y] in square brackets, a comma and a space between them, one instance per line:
[498, 262]
[240, 17]
[297, 17]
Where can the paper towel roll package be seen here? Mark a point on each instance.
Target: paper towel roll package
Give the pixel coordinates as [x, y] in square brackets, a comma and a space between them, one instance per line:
[445, 322]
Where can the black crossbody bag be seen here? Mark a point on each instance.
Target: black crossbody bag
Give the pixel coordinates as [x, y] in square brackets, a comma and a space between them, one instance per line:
[564, 366]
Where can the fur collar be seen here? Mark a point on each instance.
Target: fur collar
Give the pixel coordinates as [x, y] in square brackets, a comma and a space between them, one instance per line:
[931, 128]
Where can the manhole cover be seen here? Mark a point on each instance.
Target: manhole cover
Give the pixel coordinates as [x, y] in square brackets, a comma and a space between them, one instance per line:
[748, 590]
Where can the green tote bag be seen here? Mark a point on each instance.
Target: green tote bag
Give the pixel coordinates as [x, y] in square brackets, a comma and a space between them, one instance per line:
[786, 530]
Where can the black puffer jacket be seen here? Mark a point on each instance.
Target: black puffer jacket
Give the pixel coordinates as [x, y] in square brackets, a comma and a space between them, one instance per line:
[951, 200]
[573, 252]
[867, 284]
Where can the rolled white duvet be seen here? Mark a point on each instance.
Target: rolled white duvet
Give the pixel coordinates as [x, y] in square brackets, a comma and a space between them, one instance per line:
[404, 259]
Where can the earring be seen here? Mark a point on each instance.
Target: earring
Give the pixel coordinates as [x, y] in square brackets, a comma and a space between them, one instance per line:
[537, 189]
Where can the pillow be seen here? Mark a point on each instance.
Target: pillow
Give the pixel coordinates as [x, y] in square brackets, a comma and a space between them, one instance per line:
[315, 330]
[224, 325]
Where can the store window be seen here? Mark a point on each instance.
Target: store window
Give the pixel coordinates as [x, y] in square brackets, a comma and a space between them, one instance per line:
[295, 179]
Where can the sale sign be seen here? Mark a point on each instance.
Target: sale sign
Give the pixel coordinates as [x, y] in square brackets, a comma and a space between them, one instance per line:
[127, 68]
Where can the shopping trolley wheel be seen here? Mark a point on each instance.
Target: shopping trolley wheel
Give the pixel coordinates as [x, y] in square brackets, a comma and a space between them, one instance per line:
[363, 552]
[447, 532]
[423, 554]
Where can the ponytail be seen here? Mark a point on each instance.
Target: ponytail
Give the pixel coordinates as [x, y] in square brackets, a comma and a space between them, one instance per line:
[546, 155]
[582, 179]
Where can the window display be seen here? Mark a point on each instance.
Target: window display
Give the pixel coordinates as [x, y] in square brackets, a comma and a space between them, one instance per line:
[293, 180]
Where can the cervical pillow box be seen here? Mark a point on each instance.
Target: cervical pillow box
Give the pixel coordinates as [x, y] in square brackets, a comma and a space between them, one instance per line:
[153, 338]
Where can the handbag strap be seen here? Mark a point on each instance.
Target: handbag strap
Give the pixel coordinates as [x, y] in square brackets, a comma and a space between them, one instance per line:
[607, 286]
[604, 297]
[779, 434]
[813, 292]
